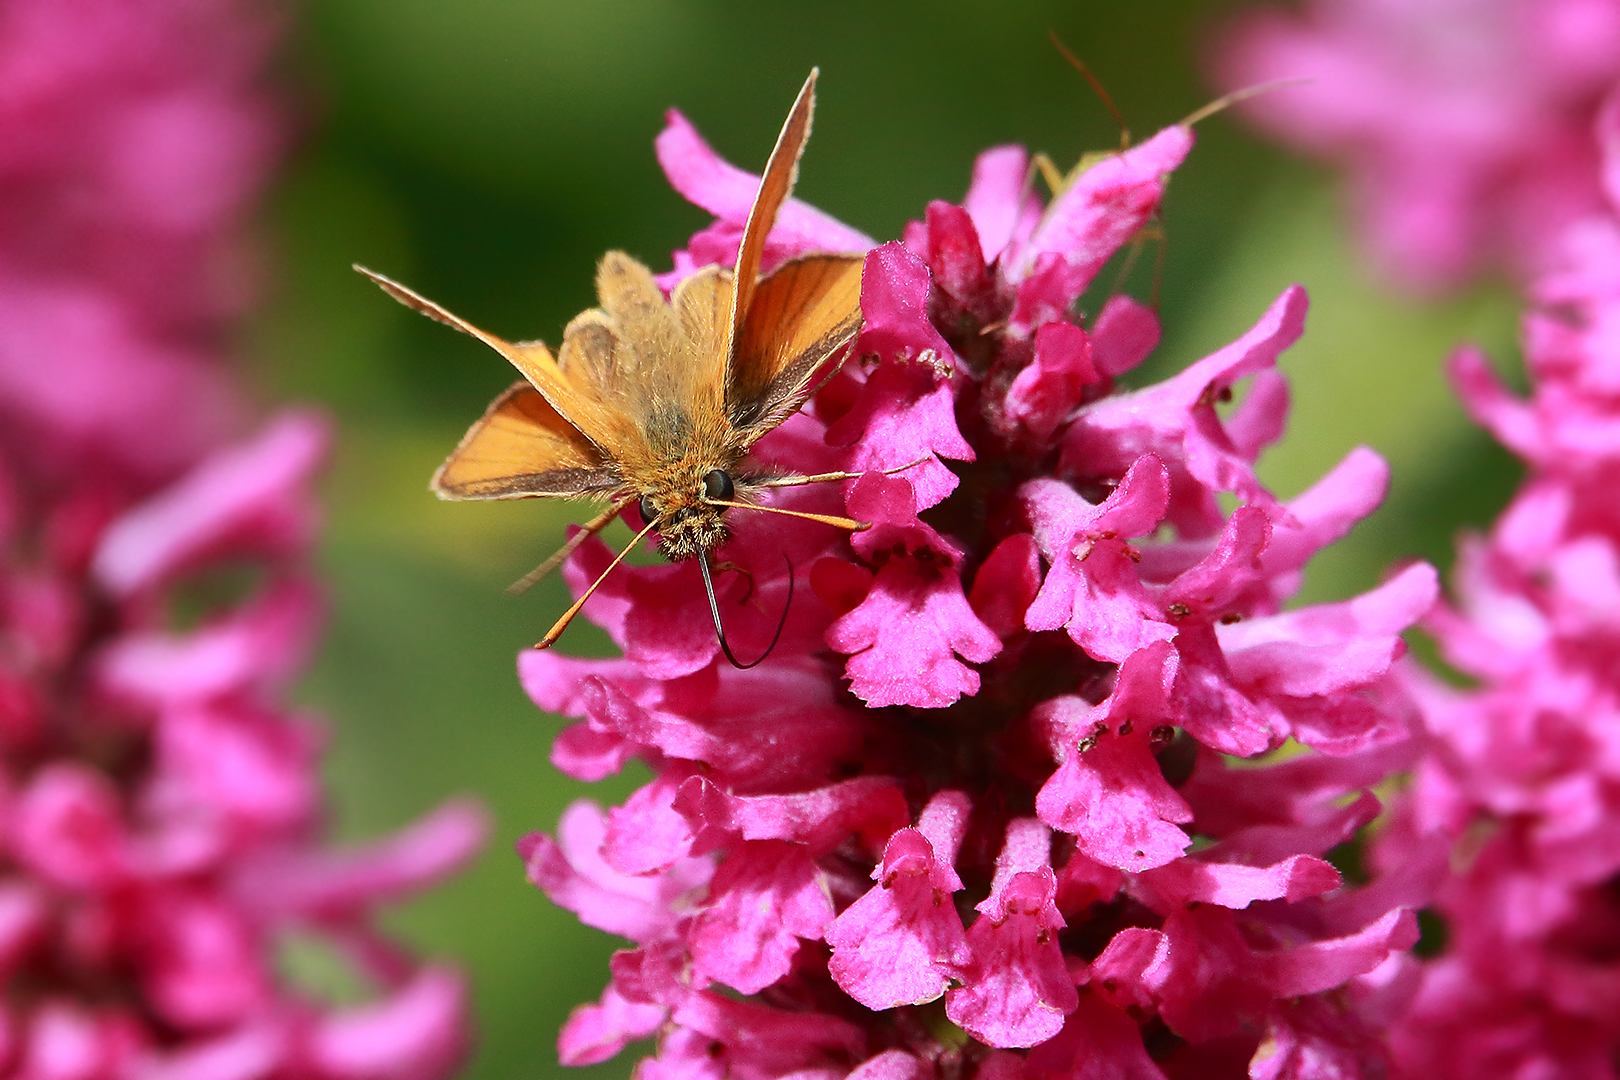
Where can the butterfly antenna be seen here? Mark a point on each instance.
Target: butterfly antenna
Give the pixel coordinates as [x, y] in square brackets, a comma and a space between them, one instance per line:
[1226, 101]
[568, 616]
[720, 631]
[849, 524]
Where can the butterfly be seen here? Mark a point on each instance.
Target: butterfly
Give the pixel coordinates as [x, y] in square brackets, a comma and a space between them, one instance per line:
[653, 403]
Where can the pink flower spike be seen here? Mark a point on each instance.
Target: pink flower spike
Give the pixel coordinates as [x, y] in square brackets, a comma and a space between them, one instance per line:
[1055, 652]
[902, 943]
[162, 805]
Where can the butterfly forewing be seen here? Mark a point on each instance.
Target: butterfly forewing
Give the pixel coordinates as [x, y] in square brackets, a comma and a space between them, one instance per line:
[801, 315]
[570, 397]
[521, 447]
[781, 171]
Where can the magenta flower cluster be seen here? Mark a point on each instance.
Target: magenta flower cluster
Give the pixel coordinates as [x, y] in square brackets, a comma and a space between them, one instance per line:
[160, 805]
[1465, 126]
[979, 814]
[1474, 130]
[1523, 784]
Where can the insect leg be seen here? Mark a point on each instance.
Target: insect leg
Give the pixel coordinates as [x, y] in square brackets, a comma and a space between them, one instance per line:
[745, 572]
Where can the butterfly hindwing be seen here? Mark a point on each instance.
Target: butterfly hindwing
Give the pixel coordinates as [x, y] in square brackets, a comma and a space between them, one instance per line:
[521, 447]
[801, 315]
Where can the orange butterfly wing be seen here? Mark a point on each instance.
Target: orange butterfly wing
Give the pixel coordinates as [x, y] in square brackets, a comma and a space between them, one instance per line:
[569, 396]
[781, 171]
[801, 316]
[520, 447]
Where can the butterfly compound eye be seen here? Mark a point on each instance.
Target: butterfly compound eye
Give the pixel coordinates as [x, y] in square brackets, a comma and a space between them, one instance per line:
[648, 511]
[718, 485]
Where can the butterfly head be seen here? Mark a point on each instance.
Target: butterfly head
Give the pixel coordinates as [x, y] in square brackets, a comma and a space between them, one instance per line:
[690, 524]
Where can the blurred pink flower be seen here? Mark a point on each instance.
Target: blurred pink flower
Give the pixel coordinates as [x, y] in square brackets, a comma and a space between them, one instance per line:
[973, 817]
[1465, 125]
[161, 814]
[1525, 781]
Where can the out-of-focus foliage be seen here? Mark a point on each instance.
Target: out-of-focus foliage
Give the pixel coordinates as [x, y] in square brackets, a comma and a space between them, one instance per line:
[488, 151]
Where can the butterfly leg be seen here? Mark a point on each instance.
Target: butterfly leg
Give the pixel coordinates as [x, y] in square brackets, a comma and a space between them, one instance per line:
[729, 565]
[560, 556]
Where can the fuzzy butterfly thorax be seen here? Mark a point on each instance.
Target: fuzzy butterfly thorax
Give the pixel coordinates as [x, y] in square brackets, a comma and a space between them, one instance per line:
[660, 357]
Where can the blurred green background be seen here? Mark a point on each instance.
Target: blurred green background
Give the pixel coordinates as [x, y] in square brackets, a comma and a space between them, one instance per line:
[487, 152]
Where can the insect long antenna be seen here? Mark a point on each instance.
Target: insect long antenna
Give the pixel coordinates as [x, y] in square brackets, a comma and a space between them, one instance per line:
[1096, 88]
[568, 616]
[849, 524]
[720, 631]
[560, 556]
[1226, 101]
